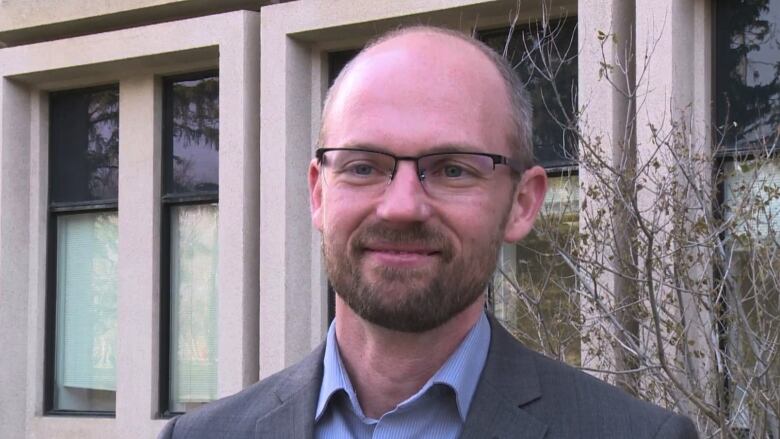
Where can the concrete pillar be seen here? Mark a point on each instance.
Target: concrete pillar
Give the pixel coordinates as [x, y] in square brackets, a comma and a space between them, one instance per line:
[285, 227]
[239, 205]
[674, 39]
[138, 302]
[14, 253]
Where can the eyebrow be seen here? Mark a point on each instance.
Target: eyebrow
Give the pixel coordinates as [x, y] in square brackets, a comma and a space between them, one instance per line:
[436, 149]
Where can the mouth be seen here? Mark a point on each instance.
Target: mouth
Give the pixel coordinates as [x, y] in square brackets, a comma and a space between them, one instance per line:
[418, 246]
[392, 249]
[400, 255]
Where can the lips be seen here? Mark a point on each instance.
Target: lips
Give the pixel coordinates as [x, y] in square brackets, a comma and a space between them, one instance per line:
[407, 257]
[400, 250]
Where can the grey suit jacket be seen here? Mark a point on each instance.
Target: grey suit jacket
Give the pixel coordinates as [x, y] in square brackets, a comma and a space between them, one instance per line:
[521, 394]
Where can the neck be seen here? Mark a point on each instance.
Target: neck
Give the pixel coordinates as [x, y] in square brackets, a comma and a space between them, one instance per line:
[387, 367]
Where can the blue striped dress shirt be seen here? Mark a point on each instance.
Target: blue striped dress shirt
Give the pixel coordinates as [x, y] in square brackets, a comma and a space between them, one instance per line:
[437, 410]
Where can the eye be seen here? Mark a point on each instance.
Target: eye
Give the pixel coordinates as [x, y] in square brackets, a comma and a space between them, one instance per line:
[360, 169]
[451, 168]
[452, 171]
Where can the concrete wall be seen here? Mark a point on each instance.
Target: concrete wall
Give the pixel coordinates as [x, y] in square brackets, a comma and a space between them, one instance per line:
[28, 21]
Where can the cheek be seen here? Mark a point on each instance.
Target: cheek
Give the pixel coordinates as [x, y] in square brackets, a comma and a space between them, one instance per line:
[480, 223]
[341, 216]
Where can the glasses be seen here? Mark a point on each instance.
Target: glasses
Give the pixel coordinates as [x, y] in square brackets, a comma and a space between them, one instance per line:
[441, 174]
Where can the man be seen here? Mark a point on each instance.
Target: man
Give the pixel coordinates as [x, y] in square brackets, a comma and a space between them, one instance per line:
[425, 168]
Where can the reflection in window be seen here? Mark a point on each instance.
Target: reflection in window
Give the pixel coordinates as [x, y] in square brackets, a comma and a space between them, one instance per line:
[190, 194]
[534, 295]
[194, 135]
[83, 236]
[84, 128]
[748, 73]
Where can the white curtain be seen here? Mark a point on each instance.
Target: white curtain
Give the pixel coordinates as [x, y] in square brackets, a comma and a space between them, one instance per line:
[194, 303]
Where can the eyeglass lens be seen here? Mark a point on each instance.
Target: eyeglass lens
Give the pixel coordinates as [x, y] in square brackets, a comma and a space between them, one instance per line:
[442, 174]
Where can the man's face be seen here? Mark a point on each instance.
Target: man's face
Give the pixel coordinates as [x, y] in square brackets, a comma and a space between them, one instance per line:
[403, 259]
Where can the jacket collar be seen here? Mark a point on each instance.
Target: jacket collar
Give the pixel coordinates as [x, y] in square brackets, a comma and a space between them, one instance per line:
[297, 393]
[508, 384]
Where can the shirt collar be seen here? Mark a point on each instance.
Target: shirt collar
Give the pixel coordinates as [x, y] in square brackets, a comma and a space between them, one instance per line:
[464, 367]
[334, 376]
[461, 371]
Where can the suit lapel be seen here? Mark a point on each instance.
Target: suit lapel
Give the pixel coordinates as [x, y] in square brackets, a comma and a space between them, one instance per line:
[294, 419]
[494, 417]
[508, 384]
[297, 394]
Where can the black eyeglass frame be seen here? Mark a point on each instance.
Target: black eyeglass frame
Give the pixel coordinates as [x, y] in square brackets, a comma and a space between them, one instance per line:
[498, 159]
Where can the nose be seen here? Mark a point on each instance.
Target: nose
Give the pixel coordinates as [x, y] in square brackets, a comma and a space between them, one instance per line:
[405, 199]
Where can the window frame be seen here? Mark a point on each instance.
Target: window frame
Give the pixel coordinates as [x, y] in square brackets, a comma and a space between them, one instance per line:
[53, 211]
[169, 201]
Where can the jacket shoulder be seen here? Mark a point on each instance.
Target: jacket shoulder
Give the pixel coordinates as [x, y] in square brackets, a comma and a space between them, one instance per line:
[571, 402]
[599, 409]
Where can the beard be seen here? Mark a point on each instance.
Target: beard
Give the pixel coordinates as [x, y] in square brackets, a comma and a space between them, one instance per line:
[411, 300]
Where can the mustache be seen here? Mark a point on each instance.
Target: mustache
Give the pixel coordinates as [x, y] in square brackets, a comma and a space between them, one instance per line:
[417, 234]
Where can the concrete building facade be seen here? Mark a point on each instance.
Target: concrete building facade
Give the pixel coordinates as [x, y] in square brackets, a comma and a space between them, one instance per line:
[272, 62]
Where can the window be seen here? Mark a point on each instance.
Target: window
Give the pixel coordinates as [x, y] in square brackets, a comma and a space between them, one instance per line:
[534, 292]
[747, 74]
[82, 254]
[751, 309]
[545, 57]
[747, 94]
[190, 195]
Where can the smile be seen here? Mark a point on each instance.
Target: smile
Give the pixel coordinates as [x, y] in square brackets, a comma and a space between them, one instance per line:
[400, 257]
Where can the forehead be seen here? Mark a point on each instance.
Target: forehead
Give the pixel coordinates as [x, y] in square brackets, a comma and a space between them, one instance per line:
[420, 90]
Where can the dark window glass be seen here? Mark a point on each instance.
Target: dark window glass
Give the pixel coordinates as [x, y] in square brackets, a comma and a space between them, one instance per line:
[82, 252]
[84, 145]
[545, 57]
[747, 71]
[192, 136]
[190, 246]
[337, 61]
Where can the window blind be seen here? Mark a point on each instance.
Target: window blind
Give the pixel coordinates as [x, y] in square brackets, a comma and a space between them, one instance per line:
[86, 299]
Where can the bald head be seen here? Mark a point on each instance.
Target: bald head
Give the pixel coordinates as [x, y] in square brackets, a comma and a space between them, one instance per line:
[438, 59]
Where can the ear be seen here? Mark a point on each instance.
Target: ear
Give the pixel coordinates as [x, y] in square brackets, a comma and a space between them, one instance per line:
[526, 203]
[315, 194]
